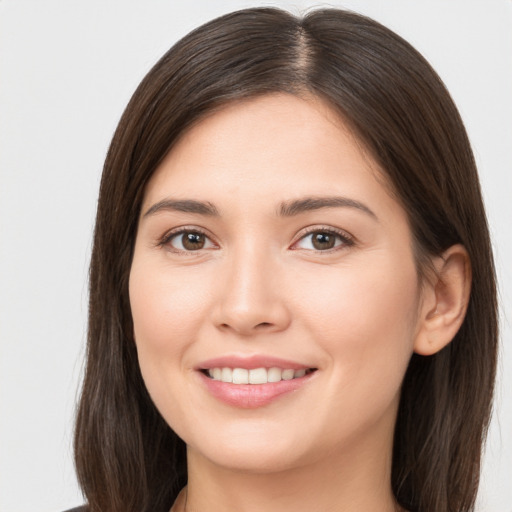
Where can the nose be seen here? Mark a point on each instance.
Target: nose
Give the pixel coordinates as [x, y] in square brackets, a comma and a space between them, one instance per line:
[251, 295]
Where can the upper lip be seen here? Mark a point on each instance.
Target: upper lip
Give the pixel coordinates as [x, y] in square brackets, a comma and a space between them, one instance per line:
[251, 362]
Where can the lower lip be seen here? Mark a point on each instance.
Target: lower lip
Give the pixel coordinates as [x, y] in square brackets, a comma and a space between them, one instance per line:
[252, 396]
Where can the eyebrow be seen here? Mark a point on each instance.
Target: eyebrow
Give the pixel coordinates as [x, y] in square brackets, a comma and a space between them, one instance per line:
[286, 209]
[183, 205]
[306, 204]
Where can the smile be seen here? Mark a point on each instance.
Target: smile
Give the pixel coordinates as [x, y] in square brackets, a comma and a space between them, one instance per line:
[255, 375]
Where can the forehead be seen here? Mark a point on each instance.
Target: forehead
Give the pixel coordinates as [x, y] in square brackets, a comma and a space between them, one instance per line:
[272, 145]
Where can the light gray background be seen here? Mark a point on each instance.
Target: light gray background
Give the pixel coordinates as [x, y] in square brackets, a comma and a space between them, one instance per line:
[67, 69]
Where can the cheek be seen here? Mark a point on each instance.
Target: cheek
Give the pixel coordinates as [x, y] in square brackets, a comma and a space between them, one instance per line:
[166, 308]
[364, 318]
[354, 298]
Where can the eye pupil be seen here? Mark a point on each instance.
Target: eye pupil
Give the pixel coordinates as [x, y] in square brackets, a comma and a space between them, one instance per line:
[323, 241]
[193, 241]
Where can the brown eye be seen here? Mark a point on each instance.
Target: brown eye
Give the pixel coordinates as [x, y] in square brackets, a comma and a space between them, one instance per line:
[193, 241]
[187, 241]
[323, 240]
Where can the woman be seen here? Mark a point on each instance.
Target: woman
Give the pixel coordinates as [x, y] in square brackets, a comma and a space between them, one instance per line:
[292, 298]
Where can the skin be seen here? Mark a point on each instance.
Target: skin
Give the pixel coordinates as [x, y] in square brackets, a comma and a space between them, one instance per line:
[356, 312]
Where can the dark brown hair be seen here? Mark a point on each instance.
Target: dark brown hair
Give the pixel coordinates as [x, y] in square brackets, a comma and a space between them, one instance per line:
[127, 457]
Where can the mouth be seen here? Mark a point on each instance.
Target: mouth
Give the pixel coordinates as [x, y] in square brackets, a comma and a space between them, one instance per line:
[256, 376]
[252, 381]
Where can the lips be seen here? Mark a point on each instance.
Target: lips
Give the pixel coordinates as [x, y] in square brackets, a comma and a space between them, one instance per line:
[255, 381]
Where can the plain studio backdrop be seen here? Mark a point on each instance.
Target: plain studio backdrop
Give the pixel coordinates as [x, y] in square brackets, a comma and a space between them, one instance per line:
[67, 70]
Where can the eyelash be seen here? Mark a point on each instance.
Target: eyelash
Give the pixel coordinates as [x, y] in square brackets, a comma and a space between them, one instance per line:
[346, 239]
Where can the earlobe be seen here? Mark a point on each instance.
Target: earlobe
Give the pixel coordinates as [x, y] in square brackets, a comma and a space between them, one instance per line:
[445, 301]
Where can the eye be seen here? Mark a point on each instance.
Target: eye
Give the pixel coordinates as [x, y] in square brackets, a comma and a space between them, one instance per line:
[187, 241]
[323, 240]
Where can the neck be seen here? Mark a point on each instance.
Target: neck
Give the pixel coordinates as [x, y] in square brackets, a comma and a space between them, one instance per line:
[356, 480]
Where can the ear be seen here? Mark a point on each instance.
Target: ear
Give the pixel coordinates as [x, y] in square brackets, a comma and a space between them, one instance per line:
[445, 299]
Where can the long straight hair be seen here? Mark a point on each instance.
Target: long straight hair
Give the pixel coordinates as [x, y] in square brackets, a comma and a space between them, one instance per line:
[127, 458]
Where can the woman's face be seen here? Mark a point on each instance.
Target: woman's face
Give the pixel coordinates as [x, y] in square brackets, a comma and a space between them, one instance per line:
[268, 248]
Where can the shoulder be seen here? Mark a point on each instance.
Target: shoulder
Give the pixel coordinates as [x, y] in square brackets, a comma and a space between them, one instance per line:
[83, 508]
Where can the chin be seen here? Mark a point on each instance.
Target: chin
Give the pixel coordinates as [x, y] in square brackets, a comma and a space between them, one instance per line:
[250, 453]
[246, 461]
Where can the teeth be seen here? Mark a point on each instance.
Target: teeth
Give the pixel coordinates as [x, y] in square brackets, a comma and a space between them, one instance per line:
[226, 375]
[255, 376]
[274, 374]
[258, 376]
[240, 376]
[287, 374]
